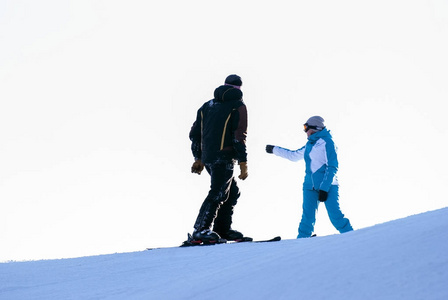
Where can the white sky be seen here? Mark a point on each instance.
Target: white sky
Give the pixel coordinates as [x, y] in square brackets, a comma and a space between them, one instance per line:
[97, 99]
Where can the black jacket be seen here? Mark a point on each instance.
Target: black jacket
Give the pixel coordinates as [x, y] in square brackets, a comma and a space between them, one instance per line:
[219, 132]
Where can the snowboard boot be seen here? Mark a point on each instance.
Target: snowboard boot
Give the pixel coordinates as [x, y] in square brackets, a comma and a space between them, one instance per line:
[207, 236]
[233, 235]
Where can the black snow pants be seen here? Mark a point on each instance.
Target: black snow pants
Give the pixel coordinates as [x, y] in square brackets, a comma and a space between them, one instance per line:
[217, 207]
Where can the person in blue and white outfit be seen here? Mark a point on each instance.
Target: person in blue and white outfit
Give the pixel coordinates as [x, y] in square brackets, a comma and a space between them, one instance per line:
[320, 184]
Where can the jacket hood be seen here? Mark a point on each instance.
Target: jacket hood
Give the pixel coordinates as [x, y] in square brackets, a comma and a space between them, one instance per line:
[227, 93]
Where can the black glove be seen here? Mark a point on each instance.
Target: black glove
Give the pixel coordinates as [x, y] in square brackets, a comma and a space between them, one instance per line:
[269, 148]
[323, 195]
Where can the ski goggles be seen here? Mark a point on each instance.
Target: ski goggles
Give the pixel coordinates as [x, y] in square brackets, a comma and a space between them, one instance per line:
[307, 127]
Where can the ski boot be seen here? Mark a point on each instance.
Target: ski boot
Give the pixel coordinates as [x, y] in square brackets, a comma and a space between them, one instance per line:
[203, 237]
[234, 235]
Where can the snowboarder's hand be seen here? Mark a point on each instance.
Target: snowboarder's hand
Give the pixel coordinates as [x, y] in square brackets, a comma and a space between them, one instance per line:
[197, 167]
[269, 148]
[323, 195]
[243, 169]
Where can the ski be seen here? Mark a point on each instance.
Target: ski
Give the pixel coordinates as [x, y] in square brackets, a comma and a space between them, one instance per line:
[248, 239]
[275, 239]
[193, 243]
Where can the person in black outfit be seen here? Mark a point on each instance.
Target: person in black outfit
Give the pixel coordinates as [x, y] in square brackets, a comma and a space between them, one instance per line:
[218, 140]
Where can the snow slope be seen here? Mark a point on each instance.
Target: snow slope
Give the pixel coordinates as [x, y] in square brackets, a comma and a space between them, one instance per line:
[401, 259]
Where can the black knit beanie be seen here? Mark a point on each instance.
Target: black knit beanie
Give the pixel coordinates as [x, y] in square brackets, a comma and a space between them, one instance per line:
[234, 80]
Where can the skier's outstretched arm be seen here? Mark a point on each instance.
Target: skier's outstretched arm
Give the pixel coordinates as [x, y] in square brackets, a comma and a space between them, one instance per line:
[286, 153]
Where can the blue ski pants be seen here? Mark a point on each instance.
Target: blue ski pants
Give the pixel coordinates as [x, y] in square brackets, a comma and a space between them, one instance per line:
[310, 206]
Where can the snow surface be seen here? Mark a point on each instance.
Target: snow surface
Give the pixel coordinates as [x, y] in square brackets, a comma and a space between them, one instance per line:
[401, 259]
